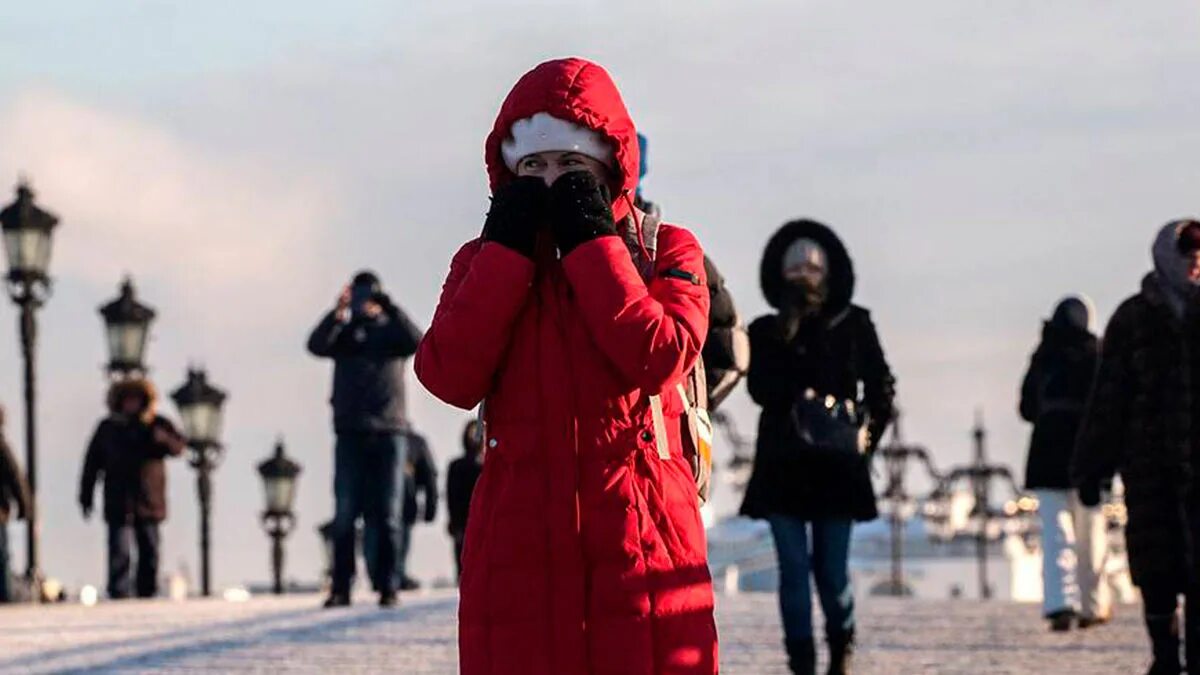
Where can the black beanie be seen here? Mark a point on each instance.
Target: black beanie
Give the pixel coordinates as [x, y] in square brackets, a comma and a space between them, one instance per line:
[367, 278]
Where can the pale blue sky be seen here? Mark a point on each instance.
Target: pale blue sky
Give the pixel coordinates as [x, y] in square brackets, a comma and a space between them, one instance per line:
[981, 159]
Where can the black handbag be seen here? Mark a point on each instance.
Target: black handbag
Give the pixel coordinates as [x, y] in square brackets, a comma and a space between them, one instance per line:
[826, 426]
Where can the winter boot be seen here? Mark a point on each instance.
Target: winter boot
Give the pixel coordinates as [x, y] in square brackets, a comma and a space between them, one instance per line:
[802, 656]
[841, 649]
[1164, 640]
[1060, 621]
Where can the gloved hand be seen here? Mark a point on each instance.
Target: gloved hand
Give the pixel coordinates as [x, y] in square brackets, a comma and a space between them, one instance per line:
[580, 210]
[85, 506]
[1089, 494]
[517, 213]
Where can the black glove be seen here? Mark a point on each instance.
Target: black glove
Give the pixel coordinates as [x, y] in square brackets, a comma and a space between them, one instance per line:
[517, 213]
[580, 210]
[85, 506]
[1089, 494]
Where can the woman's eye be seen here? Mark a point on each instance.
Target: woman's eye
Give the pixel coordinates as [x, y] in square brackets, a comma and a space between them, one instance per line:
[531, 165]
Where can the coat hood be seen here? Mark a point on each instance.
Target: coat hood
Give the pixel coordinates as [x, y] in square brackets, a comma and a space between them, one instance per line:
[135, 387]
[577, 91]
[1075, 312]
[1171, 268]
[841, 268]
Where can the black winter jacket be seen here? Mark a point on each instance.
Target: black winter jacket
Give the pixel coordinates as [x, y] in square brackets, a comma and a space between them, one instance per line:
[1141, 421]
[1053, 396]
[13, 488]
[125, 455]
[368, 371]
[834, 353]
[420, 475]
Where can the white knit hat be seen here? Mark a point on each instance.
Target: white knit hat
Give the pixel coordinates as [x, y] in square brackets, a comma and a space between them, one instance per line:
[543, 132]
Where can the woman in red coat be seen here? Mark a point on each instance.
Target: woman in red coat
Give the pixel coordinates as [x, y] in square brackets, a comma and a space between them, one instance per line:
[585, 552]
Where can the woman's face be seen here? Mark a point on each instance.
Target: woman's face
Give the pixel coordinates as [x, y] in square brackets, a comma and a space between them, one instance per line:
[551, 164]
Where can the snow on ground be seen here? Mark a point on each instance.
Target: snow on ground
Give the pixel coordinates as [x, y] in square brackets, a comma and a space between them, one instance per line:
[292, 635]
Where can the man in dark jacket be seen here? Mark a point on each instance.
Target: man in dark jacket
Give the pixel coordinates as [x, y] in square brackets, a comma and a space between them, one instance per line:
[1074, 537]
[1142, 421]
[811, 476]
[127, 452]
[368, 338]
[420, 476]
[460, 484]
[13, 491]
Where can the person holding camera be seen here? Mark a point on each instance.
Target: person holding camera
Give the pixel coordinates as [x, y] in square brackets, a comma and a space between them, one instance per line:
[369, 338]
[576, 329]
[826, 391]
[127, 452]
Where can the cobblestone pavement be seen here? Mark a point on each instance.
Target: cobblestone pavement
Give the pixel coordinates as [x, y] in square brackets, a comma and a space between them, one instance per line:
[291, 634]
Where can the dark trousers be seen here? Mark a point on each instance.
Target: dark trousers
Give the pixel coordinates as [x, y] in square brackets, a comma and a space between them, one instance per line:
[402, 548]
[5, 588]
[824, 555]
[370, 545]
[365, 486]
[123, 582]
[458, 551]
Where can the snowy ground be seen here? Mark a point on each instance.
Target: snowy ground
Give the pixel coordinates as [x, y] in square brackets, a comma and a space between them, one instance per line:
[291, 635]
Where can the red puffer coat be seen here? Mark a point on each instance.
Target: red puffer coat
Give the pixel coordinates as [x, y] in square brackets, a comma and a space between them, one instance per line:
[585, 551]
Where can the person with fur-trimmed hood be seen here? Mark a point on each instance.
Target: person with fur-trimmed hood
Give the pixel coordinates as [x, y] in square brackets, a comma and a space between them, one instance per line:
[811, 479]
[127, 452]
[1142, 421]
[585, 552]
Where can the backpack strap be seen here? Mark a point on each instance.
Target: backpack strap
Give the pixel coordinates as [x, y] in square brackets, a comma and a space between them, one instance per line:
[661, 442]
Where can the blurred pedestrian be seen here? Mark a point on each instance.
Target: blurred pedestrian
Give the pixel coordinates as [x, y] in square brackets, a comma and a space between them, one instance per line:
[368, 337]
[127, 453]
[1142, 421]
[460, 484]
[818, 370]
[420, 478]
[14, 491]
[1074, 537]
[586, 550]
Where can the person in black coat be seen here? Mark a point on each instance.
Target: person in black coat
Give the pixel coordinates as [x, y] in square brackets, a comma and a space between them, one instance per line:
[127, 452]
[1142, 421]
[368, 338]
[1053, 395]
[811, 477]
[460, 484]
[420, 476]
[14, 490]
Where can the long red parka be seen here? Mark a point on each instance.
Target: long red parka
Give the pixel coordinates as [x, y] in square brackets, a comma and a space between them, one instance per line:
[585, 552]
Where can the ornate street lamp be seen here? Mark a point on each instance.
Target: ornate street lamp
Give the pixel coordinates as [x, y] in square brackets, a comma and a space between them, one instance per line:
[199, 406]
[127, 323]
[28, 232]
[279, 475]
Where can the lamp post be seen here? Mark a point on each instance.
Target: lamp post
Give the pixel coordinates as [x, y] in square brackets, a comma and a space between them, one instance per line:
[279, 475]
[127, 324]
[199, 405]
[899, 504]
[28, 234]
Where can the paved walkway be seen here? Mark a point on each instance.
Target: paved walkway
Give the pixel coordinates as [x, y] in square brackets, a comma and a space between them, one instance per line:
[291, 635]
